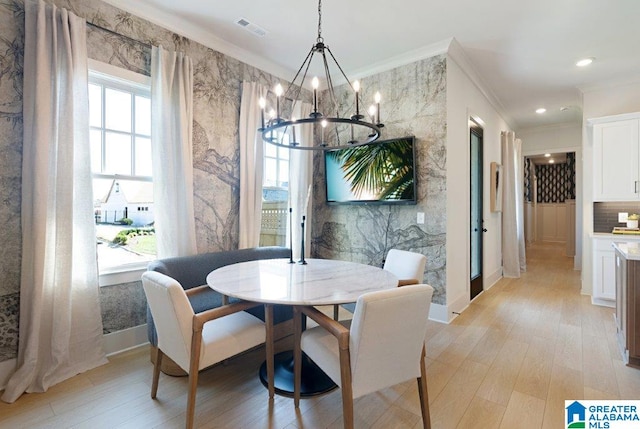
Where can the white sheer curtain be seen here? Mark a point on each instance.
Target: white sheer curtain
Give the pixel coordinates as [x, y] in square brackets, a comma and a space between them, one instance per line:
[60, 323]
[300, 180]
[251, 160]
[514, 259]
[172, 125]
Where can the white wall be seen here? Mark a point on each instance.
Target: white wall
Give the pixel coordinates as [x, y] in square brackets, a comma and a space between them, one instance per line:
[598, 102]
[556, 138]
[464, 100]
[560, 138]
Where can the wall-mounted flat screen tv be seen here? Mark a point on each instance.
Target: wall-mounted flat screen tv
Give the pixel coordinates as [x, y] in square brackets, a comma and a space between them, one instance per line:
[382, 172]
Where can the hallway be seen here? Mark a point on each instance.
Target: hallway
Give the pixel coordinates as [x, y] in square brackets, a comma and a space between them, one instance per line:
[523, 347]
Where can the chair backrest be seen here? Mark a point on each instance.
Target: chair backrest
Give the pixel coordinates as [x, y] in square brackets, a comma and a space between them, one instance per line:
[405, 265]
[172, 314]
[386, 337]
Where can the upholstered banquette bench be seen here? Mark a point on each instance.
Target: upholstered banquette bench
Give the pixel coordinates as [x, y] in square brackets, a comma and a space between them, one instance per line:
[191, 272]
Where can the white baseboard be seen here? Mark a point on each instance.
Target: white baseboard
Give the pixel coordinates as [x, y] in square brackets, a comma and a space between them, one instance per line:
[439, 313]
[492, 279]
[126, 339]
[114, 342]
[7, 368]
[603, 302]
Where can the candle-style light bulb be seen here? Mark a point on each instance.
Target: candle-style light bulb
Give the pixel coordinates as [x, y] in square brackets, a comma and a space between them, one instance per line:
[315, 83]
[278, 91]
[372, 113]
[356, 88]
[377, 98]
[263, 103]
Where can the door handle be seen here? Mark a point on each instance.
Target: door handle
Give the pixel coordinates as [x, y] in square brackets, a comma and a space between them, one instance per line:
[484, 229]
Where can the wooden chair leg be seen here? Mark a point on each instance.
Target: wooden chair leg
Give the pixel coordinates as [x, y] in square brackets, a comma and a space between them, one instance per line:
[347, 391]
[423, 393]
[297, 355]
[156, 372]
[196, 343]
[268, 318]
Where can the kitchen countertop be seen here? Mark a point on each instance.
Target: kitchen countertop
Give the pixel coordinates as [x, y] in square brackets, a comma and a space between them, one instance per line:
[630, 250]
[617, 237]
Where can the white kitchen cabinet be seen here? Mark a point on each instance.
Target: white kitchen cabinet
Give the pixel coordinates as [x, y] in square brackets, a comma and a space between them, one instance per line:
[604, 272]
[604, 267]
[616, 158]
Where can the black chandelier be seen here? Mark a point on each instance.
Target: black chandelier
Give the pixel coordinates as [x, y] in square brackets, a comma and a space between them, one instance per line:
[333, 129]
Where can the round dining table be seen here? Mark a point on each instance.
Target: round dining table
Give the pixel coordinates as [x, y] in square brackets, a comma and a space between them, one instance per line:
[316, 282]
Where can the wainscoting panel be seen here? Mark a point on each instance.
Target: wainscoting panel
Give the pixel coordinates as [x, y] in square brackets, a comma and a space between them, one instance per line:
[552, 222]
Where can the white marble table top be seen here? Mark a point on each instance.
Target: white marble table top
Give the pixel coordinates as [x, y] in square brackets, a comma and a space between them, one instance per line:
[320, 282]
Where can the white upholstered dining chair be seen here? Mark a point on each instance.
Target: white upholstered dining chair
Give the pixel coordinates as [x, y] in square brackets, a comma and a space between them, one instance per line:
[196, 341]
[384, 345]
[407, 266]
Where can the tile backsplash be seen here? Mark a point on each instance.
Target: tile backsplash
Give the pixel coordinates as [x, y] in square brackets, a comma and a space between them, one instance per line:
[605, 215]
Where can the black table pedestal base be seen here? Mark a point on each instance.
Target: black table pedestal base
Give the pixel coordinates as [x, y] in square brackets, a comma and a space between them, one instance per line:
[314, 380]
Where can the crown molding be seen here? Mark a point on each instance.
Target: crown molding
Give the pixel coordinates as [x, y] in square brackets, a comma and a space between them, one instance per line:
[428, 51]
[185, 28]
[456, 53]
[551, 127]
[609, 84]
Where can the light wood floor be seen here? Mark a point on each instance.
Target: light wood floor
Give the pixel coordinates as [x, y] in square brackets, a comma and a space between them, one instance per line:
[509, 361]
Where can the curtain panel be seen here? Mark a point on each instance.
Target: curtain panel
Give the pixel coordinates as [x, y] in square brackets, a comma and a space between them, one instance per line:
[172, 153]
[300, 184]
[251, 165]
[513, 240]
[60, 323]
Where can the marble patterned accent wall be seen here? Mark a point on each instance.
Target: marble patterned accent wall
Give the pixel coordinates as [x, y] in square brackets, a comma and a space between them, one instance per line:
[217, 90]
[414, 103]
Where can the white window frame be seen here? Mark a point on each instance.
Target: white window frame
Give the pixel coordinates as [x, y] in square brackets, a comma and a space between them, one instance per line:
[99, 71]
[278, 159]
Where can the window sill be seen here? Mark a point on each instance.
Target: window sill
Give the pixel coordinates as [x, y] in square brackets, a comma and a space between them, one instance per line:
[122, 274]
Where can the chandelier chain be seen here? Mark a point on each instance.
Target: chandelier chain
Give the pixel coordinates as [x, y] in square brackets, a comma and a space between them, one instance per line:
[320, 39]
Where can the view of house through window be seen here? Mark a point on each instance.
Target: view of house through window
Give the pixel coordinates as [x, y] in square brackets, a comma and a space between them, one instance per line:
[120, 138]
[275, 194]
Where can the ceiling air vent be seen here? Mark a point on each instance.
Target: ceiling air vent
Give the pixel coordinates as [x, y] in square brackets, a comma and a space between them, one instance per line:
[251, 28]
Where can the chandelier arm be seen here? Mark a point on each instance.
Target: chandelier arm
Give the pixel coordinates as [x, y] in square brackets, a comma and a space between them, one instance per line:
[304, 76]
[307, 61]
[332, 94]
[342, 72]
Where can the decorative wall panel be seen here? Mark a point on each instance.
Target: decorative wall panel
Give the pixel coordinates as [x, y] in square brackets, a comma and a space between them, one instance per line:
[217, 86]
[414, 104]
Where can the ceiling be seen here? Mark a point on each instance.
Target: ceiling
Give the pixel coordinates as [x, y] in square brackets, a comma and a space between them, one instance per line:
[523, 51]
[558, 158]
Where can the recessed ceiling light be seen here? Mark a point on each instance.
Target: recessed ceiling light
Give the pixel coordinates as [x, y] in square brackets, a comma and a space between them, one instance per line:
[547, 155]
[585, 62]
[551, 161]
[541, 110]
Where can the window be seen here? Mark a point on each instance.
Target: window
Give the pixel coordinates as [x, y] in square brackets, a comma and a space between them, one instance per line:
[120, 139]
[275, 194]
[276, 165]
